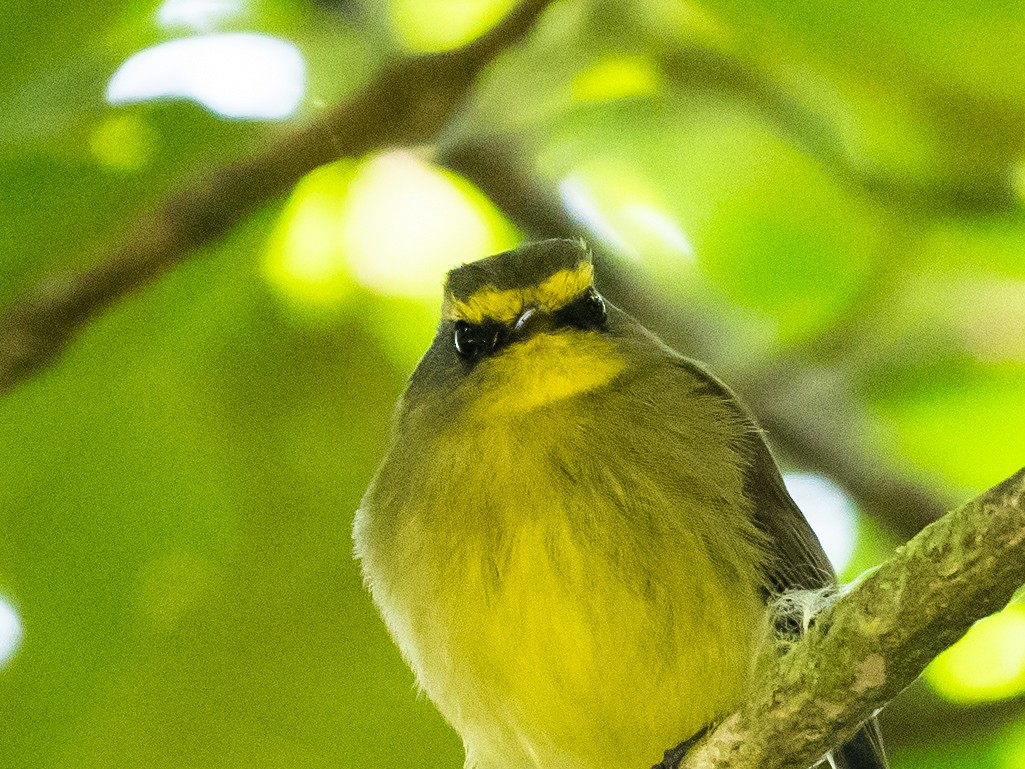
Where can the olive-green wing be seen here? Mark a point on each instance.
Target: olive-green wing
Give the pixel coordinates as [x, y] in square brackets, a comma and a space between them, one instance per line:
[796, 558]
[799, 563]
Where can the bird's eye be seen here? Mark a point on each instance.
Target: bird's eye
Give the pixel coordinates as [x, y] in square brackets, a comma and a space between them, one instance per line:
[586, 312]
[473, 341]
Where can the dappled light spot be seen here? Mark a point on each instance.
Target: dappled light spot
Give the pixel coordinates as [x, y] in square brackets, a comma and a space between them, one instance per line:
[625, 213]
[581, 204]
[124, 142]
[988, 664]
[10, 631]
[394, 224]
[830, 513]
[662, 226]
[305, 258]
[238, 75]
[616, 77]
[407, 222]
[200, 15]
[438, 25]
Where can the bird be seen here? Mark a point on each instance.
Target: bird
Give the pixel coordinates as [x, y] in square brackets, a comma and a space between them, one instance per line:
[576, 534]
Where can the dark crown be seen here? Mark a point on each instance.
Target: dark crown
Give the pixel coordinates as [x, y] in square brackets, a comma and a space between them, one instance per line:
[523, 267]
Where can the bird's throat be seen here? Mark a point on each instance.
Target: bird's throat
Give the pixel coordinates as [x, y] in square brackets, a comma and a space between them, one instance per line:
[545, 369]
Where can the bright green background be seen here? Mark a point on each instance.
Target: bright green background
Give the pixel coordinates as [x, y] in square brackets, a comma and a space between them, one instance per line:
[176, 493]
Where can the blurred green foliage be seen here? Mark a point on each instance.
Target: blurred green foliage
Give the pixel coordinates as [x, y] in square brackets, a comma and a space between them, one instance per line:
[176, 493]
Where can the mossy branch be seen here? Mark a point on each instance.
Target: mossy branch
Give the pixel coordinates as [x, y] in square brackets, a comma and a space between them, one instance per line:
[868, 646]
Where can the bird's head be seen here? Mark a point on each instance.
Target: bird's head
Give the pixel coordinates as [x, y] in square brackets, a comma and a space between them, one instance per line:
[520, 330]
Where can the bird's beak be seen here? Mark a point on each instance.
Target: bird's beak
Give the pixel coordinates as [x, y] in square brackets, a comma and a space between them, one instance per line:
[533, 320]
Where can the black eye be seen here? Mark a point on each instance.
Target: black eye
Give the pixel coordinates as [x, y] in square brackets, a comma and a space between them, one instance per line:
[586, 312]
[473, 342]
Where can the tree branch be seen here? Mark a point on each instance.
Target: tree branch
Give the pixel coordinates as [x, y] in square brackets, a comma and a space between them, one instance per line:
[864, 649]
[408, 101]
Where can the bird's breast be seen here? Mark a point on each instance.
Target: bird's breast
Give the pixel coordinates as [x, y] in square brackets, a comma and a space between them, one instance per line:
[561, 598]
[559, 538]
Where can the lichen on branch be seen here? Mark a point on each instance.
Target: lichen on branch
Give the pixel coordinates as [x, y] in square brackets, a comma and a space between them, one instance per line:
[869, 644]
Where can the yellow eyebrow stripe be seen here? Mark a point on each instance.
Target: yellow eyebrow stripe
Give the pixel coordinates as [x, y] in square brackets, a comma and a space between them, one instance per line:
[505, 305]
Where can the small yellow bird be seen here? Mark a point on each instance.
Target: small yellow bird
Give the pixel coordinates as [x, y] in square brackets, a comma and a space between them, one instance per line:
[576, 531]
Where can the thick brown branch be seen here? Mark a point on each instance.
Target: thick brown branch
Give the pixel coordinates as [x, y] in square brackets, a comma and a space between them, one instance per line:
[409, 101]
[876, 639]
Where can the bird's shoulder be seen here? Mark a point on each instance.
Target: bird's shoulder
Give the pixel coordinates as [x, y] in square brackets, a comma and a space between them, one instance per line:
[796, 560]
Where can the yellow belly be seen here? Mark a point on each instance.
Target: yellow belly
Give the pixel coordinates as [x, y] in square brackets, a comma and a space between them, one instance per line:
[576, 586]
[546, 658]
